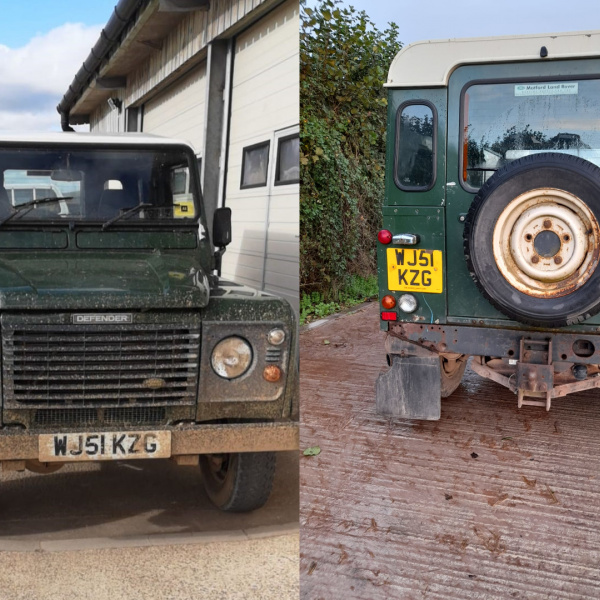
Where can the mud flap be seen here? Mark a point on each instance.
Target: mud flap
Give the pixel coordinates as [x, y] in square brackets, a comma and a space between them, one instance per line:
[410, 388]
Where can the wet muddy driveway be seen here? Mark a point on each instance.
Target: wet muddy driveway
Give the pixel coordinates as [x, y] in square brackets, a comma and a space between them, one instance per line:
[488, 502]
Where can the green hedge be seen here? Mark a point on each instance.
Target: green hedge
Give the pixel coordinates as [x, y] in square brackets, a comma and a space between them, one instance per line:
[343, 66]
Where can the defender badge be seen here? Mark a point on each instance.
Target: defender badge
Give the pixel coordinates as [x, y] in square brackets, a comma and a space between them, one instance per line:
[101, 319]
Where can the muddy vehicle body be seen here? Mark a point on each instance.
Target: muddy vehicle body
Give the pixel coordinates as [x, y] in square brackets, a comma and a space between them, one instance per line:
[120, 340]
[491, 238]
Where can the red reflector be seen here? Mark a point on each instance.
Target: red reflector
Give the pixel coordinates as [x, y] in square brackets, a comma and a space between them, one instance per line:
[384, 236]
[389, 316]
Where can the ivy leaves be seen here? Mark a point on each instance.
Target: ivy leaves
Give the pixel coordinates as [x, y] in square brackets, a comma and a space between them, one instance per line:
[343, 65]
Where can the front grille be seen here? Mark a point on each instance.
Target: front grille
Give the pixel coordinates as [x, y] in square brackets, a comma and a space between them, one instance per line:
[94, 417]
[101, 366]
[60, 417]
[273, 355]
[134, 415]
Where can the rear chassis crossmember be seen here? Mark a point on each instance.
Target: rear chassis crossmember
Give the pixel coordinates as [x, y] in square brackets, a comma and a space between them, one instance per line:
[535, 365]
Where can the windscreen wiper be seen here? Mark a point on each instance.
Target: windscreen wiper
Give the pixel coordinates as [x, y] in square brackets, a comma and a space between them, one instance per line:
[31, 204]
[127, 213]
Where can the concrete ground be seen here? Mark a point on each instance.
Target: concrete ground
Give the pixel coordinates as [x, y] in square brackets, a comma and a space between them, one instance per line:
[255, 569]
[489, 502]
[143, 529]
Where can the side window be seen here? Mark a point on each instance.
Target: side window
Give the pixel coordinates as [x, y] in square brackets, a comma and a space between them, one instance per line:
[288, 160]
[415, 147]
[255, 164]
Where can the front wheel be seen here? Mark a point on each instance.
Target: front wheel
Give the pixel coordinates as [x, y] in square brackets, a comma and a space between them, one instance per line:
[240, 481]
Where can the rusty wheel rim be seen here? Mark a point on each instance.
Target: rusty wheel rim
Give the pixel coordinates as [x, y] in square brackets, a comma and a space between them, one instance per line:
[546, 243]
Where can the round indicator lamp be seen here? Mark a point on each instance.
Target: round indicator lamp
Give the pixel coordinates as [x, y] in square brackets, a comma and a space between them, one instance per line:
[272, 373]
[388, 301]
[276, 337]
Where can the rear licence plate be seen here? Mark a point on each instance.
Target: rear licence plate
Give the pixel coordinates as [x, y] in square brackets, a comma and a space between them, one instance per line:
[67, 447]
[414, 270]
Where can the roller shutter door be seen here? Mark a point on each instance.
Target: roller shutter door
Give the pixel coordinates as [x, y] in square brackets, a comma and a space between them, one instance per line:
[179, 111]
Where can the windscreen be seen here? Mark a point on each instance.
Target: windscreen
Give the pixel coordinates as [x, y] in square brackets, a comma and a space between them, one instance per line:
[506, 121]
[97, 185]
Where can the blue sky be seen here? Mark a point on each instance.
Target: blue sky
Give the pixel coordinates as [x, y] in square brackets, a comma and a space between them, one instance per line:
[438, 19]
[42, 45]
[23, 19]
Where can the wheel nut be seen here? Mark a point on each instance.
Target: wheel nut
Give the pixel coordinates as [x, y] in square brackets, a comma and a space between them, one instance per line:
[557, 260]
[535, 259]
[547, 224]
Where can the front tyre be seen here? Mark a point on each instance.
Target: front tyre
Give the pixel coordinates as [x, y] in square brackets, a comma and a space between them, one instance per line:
[240, 481]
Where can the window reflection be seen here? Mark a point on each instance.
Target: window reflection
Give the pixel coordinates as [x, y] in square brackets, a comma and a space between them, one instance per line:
[414, 162]
[506, 121]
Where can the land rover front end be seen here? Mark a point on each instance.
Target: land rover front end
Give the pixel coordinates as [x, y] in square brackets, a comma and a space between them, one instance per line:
[119, 340]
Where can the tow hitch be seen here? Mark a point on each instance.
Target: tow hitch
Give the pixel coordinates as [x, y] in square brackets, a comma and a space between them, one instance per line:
[534, 378]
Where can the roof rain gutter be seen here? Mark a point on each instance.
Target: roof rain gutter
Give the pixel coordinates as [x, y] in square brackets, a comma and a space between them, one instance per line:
[110, 38]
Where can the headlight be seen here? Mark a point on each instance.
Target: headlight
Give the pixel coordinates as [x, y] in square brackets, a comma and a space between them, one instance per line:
[231, 357]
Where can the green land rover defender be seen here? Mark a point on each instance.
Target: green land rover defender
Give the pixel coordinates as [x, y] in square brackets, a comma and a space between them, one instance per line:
[491, 221]
[120, 340]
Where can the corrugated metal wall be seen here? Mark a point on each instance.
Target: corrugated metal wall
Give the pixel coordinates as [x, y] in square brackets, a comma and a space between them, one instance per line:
[189, 38]
[105, 119]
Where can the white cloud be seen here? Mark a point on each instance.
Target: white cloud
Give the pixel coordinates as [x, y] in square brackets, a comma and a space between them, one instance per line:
[35, 77]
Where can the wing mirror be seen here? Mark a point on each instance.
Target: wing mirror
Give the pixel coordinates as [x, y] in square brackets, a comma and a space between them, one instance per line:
[221, 234]
[222, 227]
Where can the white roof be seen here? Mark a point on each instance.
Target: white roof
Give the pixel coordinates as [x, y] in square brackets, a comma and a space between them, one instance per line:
[430, 63]
[71, 137]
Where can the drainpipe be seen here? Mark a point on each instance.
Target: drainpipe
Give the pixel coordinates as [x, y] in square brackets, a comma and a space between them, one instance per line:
[64, 121]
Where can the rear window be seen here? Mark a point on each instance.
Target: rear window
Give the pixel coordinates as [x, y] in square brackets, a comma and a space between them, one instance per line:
[415, 144]
[505, 121]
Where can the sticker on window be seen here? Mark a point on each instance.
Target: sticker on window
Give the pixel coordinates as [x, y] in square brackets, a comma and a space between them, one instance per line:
[546, 89]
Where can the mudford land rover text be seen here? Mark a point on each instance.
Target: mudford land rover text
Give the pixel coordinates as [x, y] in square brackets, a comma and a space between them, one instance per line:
[491, 222]
[118, 340]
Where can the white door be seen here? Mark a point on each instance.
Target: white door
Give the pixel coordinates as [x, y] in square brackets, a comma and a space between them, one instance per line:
[281, 273]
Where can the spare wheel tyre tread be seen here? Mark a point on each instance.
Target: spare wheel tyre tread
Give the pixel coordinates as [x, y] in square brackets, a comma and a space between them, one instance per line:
[546, 170]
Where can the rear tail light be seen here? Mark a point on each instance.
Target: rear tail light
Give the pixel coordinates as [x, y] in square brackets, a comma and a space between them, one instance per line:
[389, 316]
[384, 236]
[388, 301]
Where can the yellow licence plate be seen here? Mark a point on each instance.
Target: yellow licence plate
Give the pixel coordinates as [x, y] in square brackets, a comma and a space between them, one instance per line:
[414, 270]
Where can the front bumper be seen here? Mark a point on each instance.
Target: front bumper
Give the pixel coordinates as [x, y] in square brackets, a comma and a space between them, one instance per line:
[185, 440]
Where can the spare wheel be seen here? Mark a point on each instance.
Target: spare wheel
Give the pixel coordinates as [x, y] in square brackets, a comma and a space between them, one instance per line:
[532, 239]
